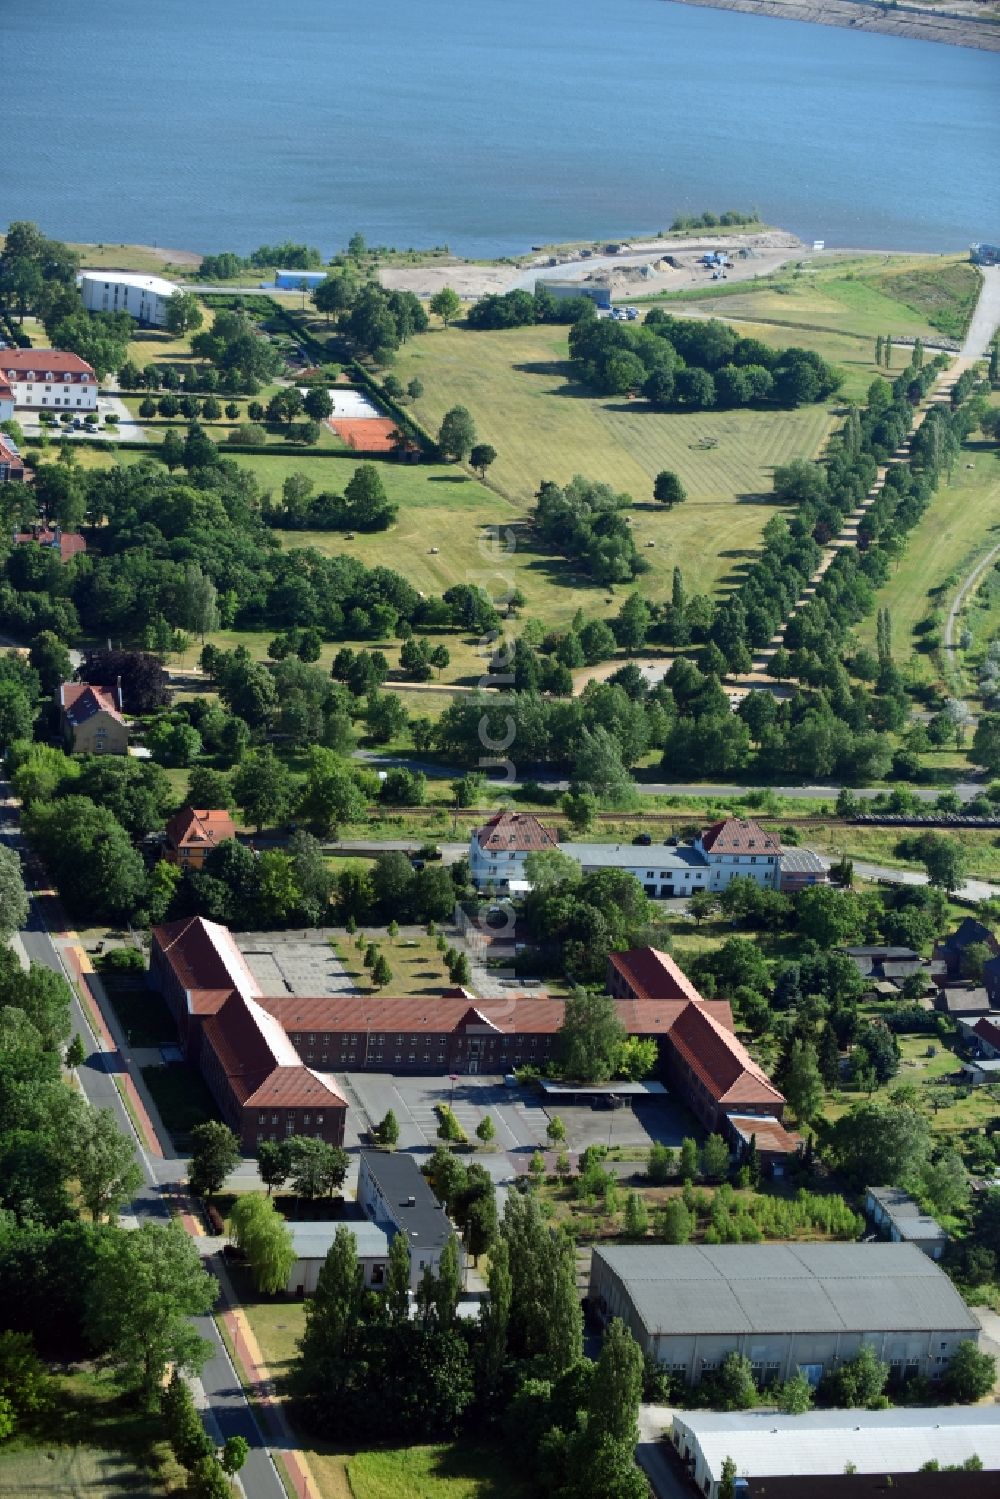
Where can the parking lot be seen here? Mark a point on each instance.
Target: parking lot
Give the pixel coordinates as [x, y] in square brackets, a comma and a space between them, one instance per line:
[303, 966]
[519, 1117]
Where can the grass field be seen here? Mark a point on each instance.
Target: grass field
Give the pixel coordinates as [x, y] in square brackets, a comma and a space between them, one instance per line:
[417, 966]
[543, 427]
[961, 522]
[89, 1444]
[73, 1473]
[181, 1098]
[865, 295]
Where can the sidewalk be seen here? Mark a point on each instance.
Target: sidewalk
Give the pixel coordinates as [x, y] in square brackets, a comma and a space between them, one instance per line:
[257, 1380]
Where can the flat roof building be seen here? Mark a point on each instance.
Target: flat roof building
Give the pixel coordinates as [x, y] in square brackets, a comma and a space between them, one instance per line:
[904, 1221]
[144, 298]
[766, 1444]
[396, 1197]
[784, 1306]
[312, 1243]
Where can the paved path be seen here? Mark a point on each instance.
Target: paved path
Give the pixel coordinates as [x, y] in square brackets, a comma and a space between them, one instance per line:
[163, 1174]
[970, 890]
[986, 318]
[968, 585]
[652, 1457]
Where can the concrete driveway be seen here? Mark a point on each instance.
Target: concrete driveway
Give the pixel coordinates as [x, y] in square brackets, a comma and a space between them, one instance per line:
[653, 1457]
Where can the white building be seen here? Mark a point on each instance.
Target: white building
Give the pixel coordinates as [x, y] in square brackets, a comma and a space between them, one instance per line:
[766, 1444]
[312, 1243]
[46, 379]
[734, 847]
[144, 298]
[395, 1196]
[498, 849]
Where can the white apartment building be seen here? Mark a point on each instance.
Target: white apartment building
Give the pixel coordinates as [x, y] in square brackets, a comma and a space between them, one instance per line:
[144, 298]
[46, 379]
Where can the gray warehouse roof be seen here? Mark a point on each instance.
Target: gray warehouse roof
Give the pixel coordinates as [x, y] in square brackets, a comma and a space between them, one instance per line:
[312, 1241]
[787, 1288]
[636, 855]
[802, 861]
[910, 1220]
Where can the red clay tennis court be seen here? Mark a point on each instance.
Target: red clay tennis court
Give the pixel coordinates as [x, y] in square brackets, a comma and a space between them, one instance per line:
[367, 435]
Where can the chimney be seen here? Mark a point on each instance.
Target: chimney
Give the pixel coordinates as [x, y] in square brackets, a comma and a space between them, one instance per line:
[118, 695]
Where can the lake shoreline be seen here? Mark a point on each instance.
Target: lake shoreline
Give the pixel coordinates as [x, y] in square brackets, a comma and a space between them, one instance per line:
[951, 29]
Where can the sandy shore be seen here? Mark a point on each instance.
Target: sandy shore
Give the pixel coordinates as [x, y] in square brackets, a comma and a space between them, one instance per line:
[965, 26]
[641, 268]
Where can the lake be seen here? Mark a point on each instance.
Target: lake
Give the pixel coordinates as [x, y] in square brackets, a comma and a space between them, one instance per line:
[487, 127]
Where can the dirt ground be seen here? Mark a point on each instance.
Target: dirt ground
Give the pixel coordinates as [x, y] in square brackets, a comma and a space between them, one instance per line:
[672, 260]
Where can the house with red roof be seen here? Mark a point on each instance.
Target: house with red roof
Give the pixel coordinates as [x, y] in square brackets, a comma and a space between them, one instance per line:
[738, 846]
[91, 720]
[67, 543]
[262, 1088]
[193, 832]
[498, 850]
[48, 380]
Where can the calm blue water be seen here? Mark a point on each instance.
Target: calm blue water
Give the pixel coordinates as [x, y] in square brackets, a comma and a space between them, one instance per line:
[488, 126]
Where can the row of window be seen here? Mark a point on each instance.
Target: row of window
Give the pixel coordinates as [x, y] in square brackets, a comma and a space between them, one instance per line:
[308, 1040]
[289, 1118]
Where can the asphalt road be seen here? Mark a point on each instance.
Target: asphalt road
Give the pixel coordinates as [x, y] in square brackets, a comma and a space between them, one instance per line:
[230, 1413]
[965, 790]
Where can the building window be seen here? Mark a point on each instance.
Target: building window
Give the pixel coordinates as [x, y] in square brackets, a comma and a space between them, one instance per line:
[262, 1119]
[306, 1118]
[378, 1275]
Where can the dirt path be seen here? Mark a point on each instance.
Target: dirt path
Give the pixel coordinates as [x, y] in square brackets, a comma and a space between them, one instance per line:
[967, 586]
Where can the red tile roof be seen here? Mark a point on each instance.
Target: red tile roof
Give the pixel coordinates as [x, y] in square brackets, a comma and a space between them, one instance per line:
[204, 958]
[515, 832]
[739, 835]
[80, 701]
[19, 364]
[720, 1061]
[652, 974]
[297, 1087]
[770, 1134]
[987, 1030]
[259, 1061]
[69, 543]
[445, 1013]
[193, 827]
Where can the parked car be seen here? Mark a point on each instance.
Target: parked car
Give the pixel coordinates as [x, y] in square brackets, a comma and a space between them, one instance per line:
[643, 839]
[510, 1081]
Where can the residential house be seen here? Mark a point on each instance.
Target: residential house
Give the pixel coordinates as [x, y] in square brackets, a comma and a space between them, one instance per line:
[192, 833]
[951, 950]
[395, 1196]
[800, 868]
[776, 1146]
[902, 1219]
[498, 849]
[67, 543]
[47, 380]
[786, 1307]
[962, 1001]
[91, 720]
[991, 981]
[726, 850]
[313, 1241]
[144, 298]
[983, 1035]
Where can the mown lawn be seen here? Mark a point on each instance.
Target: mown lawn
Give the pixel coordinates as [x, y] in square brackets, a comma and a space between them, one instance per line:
[417, 966]
[517, 385]
[182, 1099]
